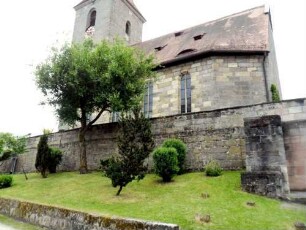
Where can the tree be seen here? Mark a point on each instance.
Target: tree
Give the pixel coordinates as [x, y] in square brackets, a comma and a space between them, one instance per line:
[43, 155]
[83, 79]
[9, 144]
[135, 143]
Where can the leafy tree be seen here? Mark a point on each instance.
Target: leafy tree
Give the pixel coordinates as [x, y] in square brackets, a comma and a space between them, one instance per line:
[43, 155]
[181, 151]
[83, 79]
[135, 143]
[275, 93]
[166, 163]
[9, 144]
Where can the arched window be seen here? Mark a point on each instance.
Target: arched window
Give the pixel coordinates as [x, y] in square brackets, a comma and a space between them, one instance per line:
[128, 28]
[185, 93]
[92, 19]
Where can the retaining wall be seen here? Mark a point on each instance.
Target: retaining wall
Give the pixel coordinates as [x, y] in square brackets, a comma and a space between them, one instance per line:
[60, 218]
[217, 134]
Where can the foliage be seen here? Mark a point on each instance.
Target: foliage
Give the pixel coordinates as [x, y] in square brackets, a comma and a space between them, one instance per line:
[213, 169]
[135, 143]
[166, 163]
[83, 79]
[55, 159]
[275, 93]
[10, 144]
[43, 155]
[181, 150]
[6, 181]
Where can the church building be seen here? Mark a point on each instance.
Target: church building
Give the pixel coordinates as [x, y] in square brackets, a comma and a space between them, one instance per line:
[224, 63]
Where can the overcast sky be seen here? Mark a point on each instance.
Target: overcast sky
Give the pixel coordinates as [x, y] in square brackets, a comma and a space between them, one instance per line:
[29, 28]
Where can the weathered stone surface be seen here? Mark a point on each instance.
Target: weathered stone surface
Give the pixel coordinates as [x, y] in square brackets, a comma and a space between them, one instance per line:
[295, 146]
[264, 183]
[64, 219]
[265, 157]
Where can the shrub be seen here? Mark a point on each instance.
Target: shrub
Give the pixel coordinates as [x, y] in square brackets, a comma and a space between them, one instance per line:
[43, 155]
[181, 150]
[213, 168]
[5, 181]
[135, 143]
[165, 163]
[55, 159]
[275, 93]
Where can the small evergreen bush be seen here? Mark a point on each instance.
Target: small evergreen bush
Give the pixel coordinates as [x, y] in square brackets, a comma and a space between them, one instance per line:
[165, 163]
[213, 169]
[275, 93]
[6, 181]
[181, 150]
[55, 159]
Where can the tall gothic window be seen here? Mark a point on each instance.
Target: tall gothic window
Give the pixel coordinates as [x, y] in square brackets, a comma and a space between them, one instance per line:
[128, 28]
[92, 20]
[148, 100]
[115, 116]
[185, 93]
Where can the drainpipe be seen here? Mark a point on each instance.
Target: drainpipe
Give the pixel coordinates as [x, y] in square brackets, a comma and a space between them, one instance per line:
[265, 76]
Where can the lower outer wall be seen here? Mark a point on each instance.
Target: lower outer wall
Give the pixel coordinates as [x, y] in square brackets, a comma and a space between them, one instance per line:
[216, 134]
[59, 218]
[295, 147]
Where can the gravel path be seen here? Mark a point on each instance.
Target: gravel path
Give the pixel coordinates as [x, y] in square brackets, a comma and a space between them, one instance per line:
[5, 227]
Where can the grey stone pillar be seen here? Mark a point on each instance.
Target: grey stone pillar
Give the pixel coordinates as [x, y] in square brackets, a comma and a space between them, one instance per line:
[266, 169]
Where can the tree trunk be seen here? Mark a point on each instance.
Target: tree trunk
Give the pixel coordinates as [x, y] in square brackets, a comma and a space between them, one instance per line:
[83, 158]
[118, 193]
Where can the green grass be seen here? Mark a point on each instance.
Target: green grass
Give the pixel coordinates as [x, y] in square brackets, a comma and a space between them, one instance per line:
[176, 202]
[17, 224]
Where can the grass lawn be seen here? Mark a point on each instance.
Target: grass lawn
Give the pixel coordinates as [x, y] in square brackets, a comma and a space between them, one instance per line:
[13, 224]
[176, 202]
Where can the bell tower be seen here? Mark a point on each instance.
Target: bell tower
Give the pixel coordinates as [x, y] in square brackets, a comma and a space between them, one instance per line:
[108, 19]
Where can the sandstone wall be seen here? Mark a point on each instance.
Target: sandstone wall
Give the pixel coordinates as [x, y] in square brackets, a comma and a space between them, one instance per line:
[295, 146]
[209, 135]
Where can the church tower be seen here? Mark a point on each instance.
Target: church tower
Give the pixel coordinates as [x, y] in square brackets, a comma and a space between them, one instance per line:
[108, 19]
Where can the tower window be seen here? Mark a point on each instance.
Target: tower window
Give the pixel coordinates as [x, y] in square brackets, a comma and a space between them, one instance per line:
[128, 28]
[185, 93]
[93, 18]
[148, 100]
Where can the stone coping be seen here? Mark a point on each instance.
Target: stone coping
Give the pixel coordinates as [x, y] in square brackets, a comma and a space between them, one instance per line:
[60, 218]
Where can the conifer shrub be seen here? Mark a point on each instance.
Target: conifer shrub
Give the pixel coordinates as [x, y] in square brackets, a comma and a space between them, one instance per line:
[135, 143]
[165, 163]
[181, 150]
[43, 155]
[213, 169]
[5, 181]
[55, 159]
[275, 93]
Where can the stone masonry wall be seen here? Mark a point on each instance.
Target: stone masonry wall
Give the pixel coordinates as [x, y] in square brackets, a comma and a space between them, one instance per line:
[64, 219]
[295, 146]
[209, 135]
[216, 82]
[266, 169]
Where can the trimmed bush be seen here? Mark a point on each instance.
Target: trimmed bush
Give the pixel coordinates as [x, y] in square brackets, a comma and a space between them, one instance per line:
[165, 163]
[55, 159]
[275, 93]
[181, 150]
[6, 181]
[213, 169]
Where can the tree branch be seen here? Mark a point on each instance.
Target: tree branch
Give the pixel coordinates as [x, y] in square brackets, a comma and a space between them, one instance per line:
[96, 118]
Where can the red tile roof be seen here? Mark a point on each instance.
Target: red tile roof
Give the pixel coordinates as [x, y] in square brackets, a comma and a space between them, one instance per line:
[246, 31]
